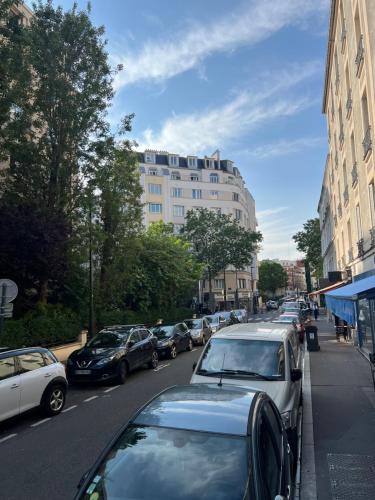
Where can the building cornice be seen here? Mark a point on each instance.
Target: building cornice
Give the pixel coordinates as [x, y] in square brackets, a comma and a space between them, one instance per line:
[330, 45]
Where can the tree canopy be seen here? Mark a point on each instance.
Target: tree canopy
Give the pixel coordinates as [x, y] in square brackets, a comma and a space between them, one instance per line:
[271, 277]
[309, 242]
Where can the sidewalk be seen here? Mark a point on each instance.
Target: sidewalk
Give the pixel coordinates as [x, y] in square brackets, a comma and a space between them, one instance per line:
[342, 434]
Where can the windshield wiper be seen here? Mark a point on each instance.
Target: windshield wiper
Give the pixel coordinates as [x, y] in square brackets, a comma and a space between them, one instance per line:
[233, 372]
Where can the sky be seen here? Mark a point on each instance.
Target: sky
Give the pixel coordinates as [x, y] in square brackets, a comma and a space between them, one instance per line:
[244, 77]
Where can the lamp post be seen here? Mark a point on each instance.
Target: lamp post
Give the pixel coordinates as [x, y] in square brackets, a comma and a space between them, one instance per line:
[91, 330]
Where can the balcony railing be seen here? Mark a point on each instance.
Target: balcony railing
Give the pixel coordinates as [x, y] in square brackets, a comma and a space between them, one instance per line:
[360, 55]
[339, 209]
[360, 246]
[372, 237]
[350, 255]
[346, 195]
[349, 103]
[367, 142]
[354, 174]
[341, 136]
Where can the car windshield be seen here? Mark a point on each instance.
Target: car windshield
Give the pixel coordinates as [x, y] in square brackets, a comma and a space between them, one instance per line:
[286, 319]
[193, 323]
[171, 464]
[108, 339]
[213, 320]
[258, 357]
[225, 314]
[163, 331]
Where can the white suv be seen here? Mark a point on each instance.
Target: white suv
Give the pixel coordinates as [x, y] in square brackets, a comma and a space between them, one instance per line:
[31, 377]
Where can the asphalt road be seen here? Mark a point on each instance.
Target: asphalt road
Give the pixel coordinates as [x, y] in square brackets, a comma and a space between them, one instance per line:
[45, 458]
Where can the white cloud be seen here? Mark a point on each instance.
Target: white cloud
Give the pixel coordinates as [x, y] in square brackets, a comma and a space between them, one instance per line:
[181, 51]
[284, 147]
[197, 132]
[270, 211]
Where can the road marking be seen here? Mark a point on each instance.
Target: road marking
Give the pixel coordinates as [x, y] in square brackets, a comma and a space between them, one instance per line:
[194, 350]
[7, 437]
[90, 399]
[112, 388]
[68, 409]
[40, 422]
[161, 367]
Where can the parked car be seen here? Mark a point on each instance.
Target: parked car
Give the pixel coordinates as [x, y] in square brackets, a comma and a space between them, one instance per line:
[196, 442]
[29, 378]
[112, 354]
[241, 315]
[292, 319]
[264, 356]
[216, 322]
[172, 339]
[229, 317]
[200, 330]
[272, 305]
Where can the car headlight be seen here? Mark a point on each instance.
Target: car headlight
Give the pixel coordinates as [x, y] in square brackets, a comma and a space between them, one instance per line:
[104, 361]
[69, 362]
[287, 419]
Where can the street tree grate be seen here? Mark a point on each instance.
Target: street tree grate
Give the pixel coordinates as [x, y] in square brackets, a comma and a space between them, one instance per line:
[352, 477]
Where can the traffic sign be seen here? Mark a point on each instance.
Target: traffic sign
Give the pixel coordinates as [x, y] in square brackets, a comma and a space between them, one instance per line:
[8, 290]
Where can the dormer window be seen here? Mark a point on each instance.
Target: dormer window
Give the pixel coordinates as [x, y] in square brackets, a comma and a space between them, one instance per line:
[173, 160]
[229, 166]
[192, 162]
[152, 171]
[149, 157]
[210, 163]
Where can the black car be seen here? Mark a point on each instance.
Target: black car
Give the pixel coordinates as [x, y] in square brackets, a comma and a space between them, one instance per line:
[172, 339]
[193, 442]
[112, 354]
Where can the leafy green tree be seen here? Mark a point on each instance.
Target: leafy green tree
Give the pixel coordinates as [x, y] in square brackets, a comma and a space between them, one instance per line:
[309, 242]
[271, 277]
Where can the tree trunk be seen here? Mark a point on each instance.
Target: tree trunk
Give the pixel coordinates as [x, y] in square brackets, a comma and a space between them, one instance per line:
[308, 276]
[209, 280]
[225, 291]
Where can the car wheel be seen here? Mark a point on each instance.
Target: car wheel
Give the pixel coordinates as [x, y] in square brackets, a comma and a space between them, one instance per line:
[53, 399]
[122, 372]
[203, 340]
[190, 345]
[173, 352]
[153, 363]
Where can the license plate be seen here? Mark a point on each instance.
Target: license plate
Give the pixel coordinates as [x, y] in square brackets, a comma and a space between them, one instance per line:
[83, 372]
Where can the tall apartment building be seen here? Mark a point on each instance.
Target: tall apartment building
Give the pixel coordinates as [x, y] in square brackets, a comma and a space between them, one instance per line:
[173, 185]
[347, 202]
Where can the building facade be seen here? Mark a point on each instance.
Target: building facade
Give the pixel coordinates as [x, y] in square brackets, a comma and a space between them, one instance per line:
[295, 270]
[174, 184]
[347, 202]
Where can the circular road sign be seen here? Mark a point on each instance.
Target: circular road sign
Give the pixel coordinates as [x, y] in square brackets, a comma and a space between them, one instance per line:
[11, 290]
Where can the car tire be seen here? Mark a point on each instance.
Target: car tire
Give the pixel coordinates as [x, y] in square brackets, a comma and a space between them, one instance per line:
[122, 372]
[53, 400]
[154, 361]
[173, 352]
[190, 345]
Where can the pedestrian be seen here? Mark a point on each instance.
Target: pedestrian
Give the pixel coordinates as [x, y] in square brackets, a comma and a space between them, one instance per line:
[316, 311]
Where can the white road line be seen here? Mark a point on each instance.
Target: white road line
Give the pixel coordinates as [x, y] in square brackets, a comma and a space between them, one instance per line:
[40, 422]
[161, 367]
[112, 388]
[68, 409]
[7, 437]
[90, 399]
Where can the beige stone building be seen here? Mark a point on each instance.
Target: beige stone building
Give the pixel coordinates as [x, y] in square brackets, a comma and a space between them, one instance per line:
[347, 202]
[174, 184]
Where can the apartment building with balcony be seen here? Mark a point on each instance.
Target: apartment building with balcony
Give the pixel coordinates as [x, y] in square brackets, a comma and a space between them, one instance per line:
[347, 202]
[174, 184]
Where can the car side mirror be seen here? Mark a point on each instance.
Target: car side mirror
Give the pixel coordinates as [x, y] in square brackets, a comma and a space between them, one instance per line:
[194, 366]
[295, 374]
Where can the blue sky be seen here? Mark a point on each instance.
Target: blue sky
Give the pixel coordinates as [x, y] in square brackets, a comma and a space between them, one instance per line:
[245, 77]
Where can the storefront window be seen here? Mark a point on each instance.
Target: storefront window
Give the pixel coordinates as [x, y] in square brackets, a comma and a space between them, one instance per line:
[364, 324]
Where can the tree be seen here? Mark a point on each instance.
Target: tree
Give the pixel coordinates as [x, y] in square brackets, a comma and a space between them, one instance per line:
[309, 242]
[271, 277]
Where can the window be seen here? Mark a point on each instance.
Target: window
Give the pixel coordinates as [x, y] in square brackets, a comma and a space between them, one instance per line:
[30, 361]
[144, 334]
[175, 176]
[214, 195]
[218, 283]
[152, 171]
[150, 157]
[214, 178]
[291, 356]
[155, 208]
[371, 196]
[269, 457]
[177, 228]
[192, 162]
[49, 358]
[194, 177]
[197, 194]
[230, 180]
[241, 283]
[154, 188]
[358, 221]
[173, 160]
[176, 192]
[178, 210]
[7, 368]
[238, 214]
[235, 196]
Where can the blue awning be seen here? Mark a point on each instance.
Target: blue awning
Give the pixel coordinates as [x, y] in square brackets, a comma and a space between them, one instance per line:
[341, 301]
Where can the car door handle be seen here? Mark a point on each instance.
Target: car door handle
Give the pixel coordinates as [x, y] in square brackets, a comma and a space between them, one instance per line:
[47, 375]
[14, 386]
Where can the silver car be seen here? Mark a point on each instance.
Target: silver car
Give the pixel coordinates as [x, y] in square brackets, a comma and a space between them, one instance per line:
[200, 330]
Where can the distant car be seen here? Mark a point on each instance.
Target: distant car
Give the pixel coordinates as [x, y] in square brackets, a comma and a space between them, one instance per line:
[264, 356]
[172, 339]
[295, 319]
[272, 304]
[200, 330]
[112, 354]
[29, 378]
[241, 315]
[216, 322]
[193, 442]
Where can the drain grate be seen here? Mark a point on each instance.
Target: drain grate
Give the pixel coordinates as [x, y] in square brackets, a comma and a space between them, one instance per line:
[352, 477]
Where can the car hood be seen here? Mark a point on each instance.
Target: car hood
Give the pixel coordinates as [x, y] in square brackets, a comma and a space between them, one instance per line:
[93, 352]
[279, 391]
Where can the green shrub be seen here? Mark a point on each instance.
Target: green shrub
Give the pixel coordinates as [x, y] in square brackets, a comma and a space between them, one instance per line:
[128, 317]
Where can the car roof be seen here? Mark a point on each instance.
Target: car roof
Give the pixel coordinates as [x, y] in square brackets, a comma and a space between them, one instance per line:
[256, 331]
[22, 350]
[201, 407]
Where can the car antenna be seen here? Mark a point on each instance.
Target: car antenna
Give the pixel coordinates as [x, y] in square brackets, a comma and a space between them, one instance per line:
[220, 384]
